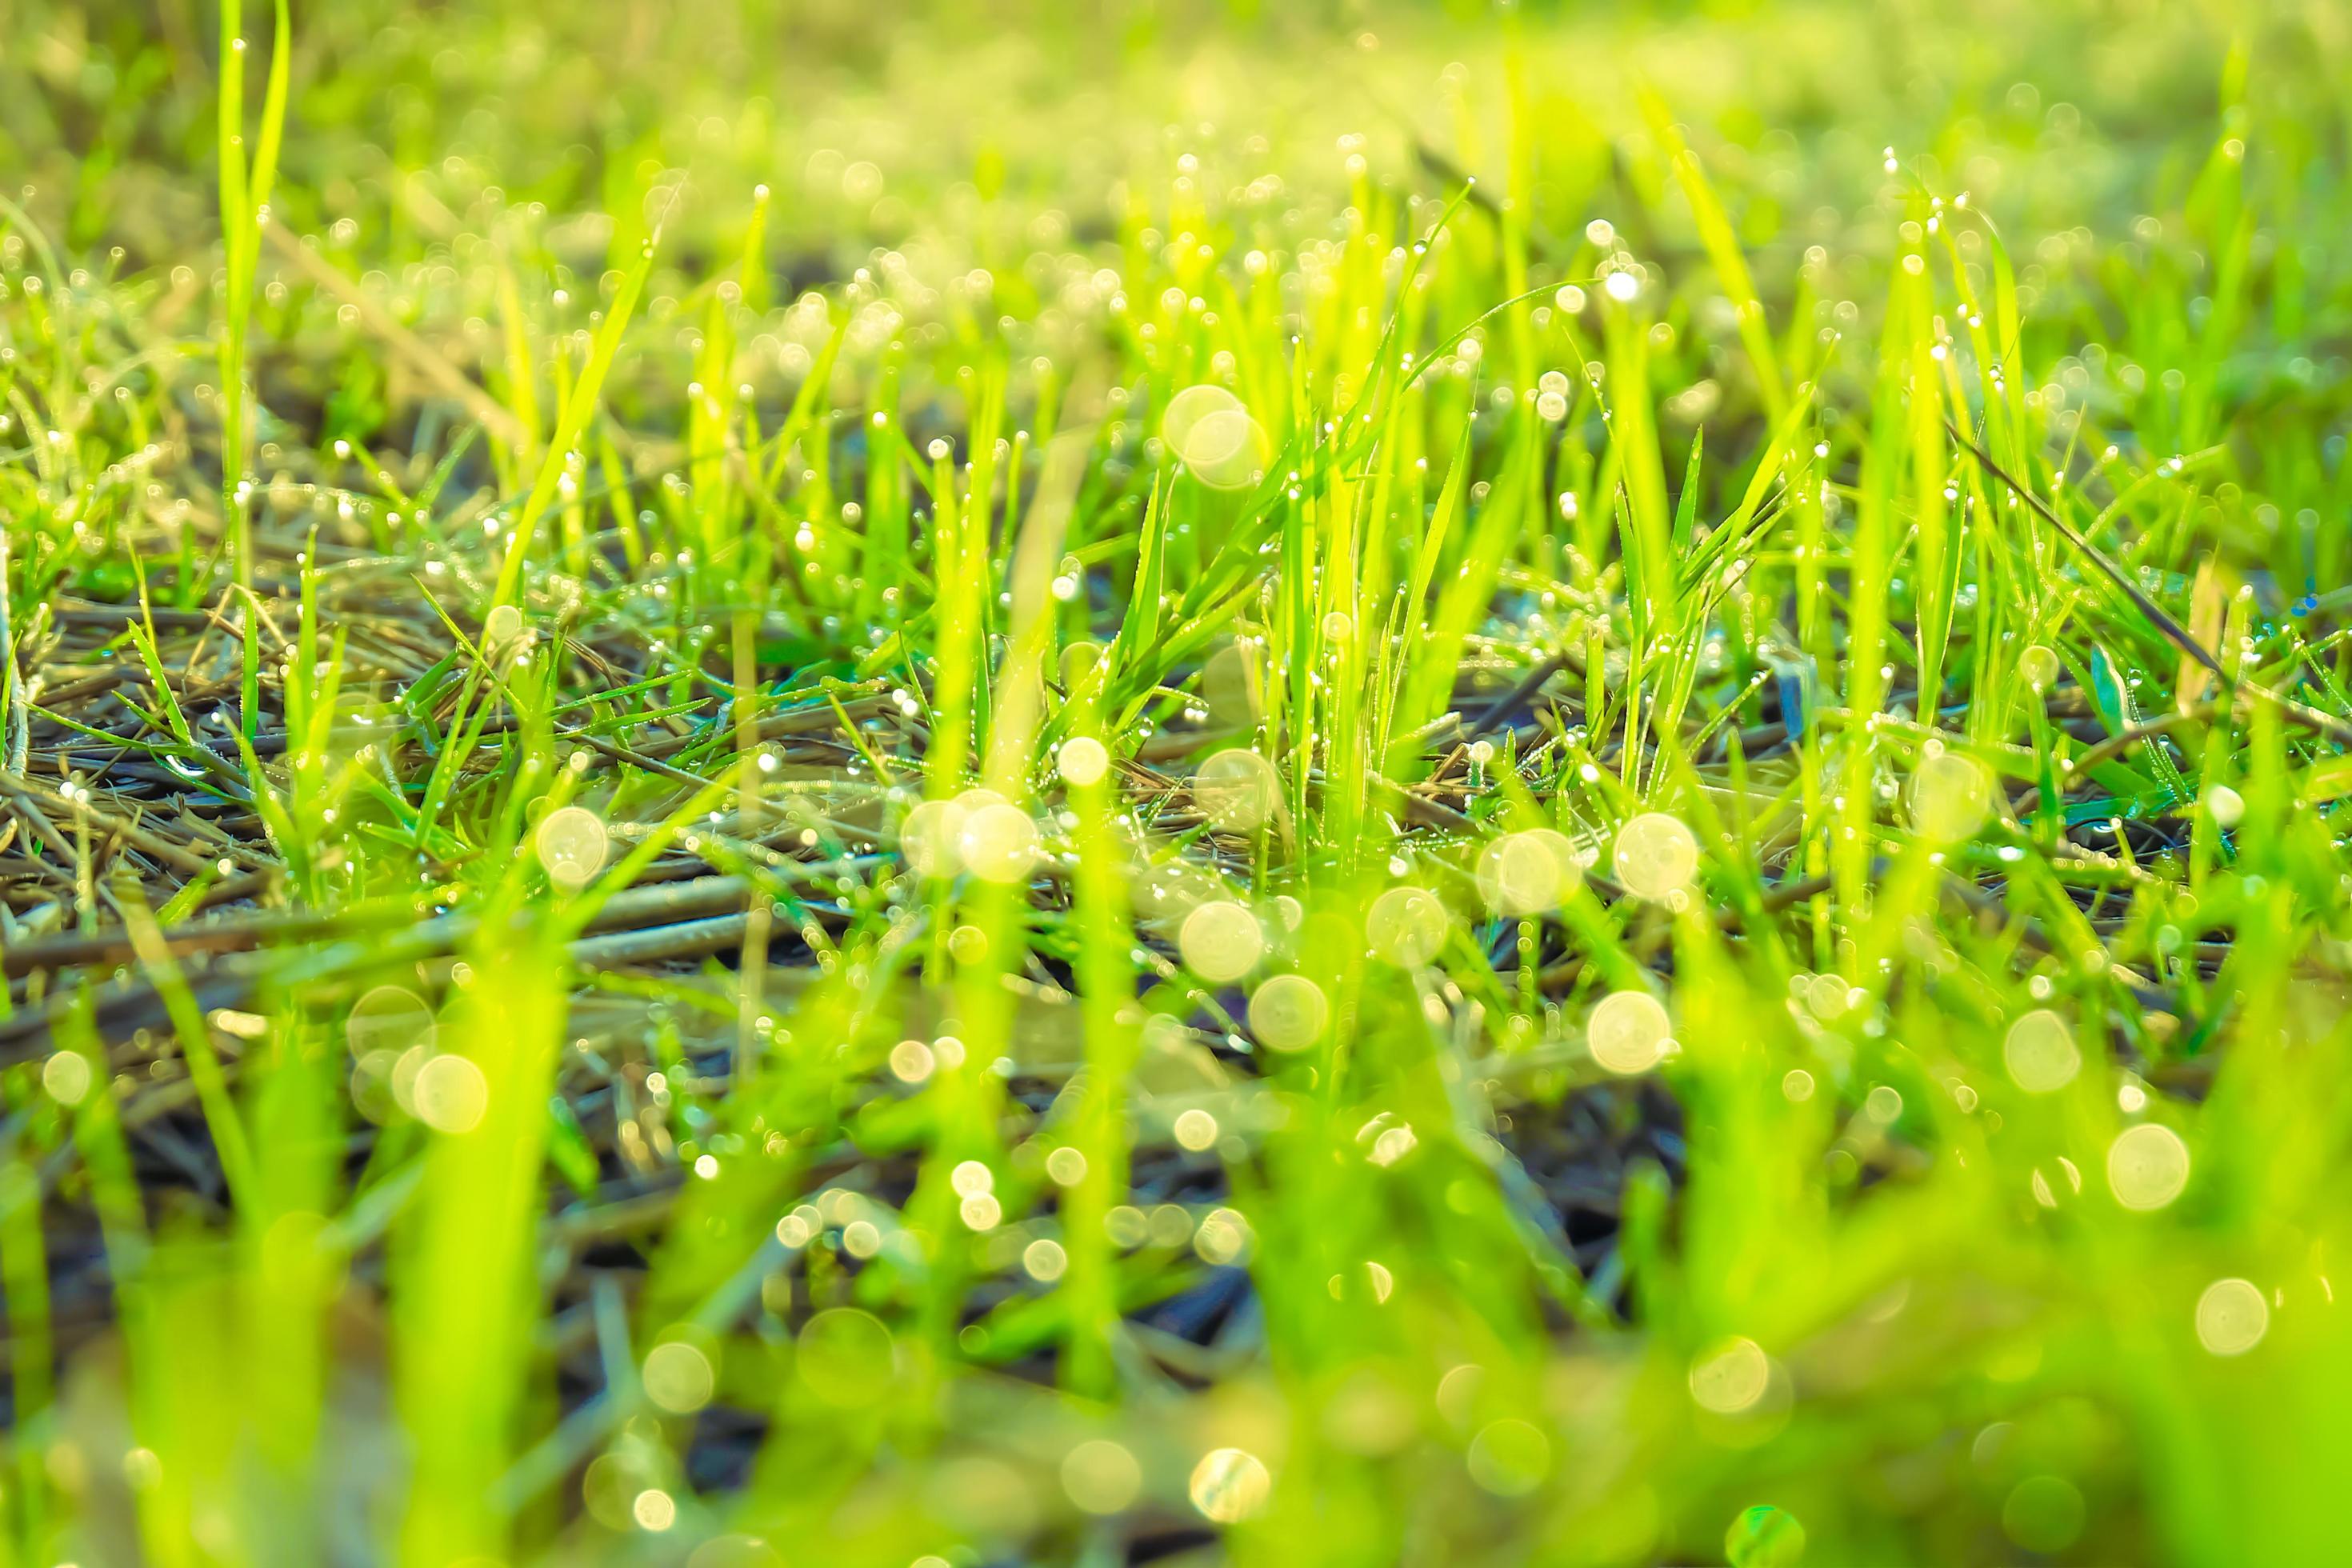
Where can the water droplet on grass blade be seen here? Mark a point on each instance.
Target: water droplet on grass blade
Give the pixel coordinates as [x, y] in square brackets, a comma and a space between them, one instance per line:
[1101, 1476]
[1223, 1237]
[1406, 926]
[1289, 1013]
[1950, 794]
[572, 844]
[1628, 1032]
[1079, 660]
[2040, 666]
[1655, 856]
[1221, 941]
[2148, 1166]
[1227, 450]
[2040, 1052]
[1195, 1130]
[1230, 1485]
[1083, 761]
[1730, 1378]
[500, 627]
[450, 1094]
[2231, 1317]
[1205, 426]
[1188, 410]
[999, 843]
[678, 1377]
[66, 1076]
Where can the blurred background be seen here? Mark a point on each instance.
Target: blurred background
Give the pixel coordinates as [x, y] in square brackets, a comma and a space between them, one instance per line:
[942, 176]
[887, 123]
[1037, 141]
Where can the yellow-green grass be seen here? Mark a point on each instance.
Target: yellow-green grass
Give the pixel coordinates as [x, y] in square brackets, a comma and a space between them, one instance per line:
[1353, 784]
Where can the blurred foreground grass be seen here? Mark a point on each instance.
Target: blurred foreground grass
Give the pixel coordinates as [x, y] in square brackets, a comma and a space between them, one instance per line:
[862, 784]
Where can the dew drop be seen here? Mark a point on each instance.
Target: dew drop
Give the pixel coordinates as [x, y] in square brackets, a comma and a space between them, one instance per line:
[1655, 855]
[1188, 409]
[1628, 1032]
[1221, 941]
[500, 627]
[1950, 794]
[1289, 1013]
[66, 1076]
[1000, 842]
[572, 844]
[1101, 1476]
[1083, 761]
[1406, 926]
[1230, 1485]
[1195, 1130]
[679, 1378]
[451, 1094]
[2231, 1317]
[1732, 1377]
[1043, 1260]
[2148, 1166]
[2041, 1053]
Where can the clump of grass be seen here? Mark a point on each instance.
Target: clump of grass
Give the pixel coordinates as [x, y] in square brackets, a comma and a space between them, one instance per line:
[755, 846]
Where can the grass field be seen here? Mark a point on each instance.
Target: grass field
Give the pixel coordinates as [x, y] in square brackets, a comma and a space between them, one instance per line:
[811, 783]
